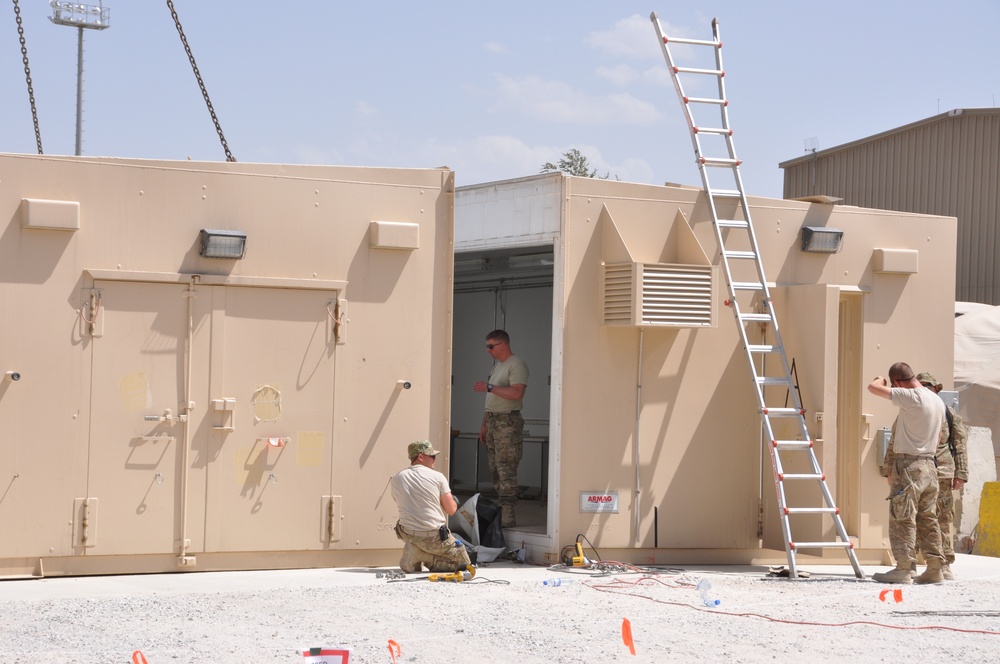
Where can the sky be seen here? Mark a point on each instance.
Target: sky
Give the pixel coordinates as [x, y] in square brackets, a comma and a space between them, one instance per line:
[491, 90]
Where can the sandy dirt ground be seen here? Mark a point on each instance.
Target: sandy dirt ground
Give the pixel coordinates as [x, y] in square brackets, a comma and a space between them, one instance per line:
[505, 614]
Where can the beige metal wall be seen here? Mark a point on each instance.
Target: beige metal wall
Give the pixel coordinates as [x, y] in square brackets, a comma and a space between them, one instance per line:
[286, 365]
[665, 416]
[948, 164]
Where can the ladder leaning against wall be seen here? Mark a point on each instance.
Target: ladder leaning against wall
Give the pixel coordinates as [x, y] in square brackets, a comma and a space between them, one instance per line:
[749, 296]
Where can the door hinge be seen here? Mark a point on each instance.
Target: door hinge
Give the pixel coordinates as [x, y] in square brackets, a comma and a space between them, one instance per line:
[331, 512]
[760, 519]
[85, 522]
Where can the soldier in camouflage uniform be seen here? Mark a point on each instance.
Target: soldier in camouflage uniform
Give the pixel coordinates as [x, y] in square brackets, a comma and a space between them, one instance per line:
[912, 476]
[952, 472]
[424, 498]
[502, 430]
[952, 462]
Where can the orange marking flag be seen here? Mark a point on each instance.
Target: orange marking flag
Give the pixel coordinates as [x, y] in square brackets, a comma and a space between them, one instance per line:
[897, 595]
[394, 650]
[627, 635]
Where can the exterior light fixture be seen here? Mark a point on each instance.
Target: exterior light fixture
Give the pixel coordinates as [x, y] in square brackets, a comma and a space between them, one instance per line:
[223, 244]
[80, 16]
[822, 240]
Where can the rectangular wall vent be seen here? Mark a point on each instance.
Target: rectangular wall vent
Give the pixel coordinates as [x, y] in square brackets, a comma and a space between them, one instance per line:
[659, 294]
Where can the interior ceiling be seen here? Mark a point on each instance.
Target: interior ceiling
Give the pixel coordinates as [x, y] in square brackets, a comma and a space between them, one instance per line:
[524, 266]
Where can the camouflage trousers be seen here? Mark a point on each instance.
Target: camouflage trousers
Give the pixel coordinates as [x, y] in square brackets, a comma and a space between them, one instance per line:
[504, 446]
[946, 517]
[430, 551]
[913, 518]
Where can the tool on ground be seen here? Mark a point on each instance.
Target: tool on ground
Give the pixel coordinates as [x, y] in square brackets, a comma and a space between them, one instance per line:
[572, 554]
[391, 574]
[749, 296]
[464, 573]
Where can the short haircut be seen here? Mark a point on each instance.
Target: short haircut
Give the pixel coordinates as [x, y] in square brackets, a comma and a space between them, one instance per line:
[498, 335]
[901, 371]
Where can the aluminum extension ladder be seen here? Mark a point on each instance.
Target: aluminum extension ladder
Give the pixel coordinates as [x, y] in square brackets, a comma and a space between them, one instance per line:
[749, 297]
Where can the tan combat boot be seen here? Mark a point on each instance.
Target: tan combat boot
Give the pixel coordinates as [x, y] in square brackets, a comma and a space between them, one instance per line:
[933, 573]
[898, 575]
[947, 573]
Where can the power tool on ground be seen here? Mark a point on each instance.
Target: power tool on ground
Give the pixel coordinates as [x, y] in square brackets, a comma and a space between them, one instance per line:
[464, 573]
[572, 554]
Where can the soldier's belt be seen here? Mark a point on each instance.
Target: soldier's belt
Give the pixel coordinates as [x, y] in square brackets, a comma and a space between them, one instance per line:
[420, 533]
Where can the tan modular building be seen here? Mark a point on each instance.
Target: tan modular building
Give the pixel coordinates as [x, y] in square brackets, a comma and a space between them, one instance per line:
[948, 164]
[641, 404]
[183, 404]
[218, 366]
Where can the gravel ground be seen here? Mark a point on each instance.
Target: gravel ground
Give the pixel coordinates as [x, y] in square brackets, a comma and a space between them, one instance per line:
[505, 614]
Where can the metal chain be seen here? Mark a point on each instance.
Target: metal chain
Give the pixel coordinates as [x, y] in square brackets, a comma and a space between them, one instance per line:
[201, 83]
[27, 75]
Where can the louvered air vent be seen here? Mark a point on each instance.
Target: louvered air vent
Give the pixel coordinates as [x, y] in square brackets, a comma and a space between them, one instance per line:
[659, 294]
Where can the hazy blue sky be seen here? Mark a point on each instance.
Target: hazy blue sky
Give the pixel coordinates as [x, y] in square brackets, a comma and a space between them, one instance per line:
[492, 90]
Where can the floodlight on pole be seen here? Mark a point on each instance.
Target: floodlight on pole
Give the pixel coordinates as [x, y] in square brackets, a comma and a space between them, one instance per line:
[80, 16]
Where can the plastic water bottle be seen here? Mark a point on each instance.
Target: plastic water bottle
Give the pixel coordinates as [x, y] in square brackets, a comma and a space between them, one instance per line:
[705, 590]
[553, 583]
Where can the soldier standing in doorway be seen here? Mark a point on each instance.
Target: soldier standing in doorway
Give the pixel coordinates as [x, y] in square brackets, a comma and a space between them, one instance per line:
[502, 430]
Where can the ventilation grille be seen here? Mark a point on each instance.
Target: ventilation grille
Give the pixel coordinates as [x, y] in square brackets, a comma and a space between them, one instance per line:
[657, 294]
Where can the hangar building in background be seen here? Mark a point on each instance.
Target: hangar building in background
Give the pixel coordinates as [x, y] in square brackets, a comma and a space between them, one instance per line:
[948, 165]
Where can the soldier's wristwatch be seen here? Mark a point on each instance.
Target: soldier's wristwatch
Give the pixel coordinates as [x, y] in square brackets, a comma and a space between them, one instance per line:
[489, 387]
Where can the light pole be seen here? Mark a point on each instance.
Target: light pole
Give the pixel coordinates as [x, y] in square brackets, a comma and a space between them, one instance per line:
[80, 16]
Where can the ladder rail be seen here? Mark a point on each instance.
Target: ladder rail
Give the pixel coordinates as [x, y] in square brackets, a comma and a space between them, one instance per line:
[759, 310]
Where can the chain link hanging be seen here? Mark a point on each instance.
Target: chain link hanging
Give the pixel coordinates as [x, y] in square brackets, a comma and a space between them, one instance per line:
[197, 75]
[27, 75]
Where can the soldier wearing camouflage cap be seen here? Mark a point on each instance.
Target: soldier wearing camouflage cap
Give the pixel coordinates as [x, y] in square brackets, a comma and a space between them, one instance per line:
[952, 472]
[424, 499]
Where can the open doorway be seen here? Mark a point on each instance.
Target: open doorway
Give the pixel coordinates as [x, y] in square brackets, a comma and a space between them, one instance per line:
[510, 289]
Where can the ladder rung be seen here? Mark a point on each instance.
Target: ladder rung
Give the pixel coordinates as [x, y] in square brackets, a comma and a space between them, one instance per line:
[739, 254]
[758, 318]
[706, 100]
[821, 545]
[727, 193]
[694, 70]
[782, 412]
[749, 285]
[762, 348]
[773, 380]
[719, 161]
[812, 510]
[801, 476]
[712, 130]
[792, 444]
[695, 42]
[732, 223]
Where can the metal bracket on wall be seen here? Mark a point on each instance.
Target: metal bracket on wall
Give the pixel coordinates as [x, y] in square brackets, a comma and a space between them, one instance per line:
[337, 312]
[91, 313]
[225, 419]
